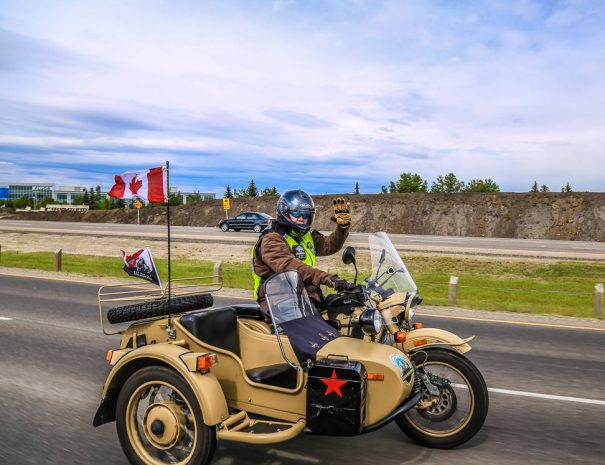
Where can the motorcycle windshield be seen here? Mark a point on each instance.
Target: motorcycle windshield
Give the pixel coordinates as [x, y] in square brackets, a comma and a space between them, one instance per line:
[388, 270]
[287, 297]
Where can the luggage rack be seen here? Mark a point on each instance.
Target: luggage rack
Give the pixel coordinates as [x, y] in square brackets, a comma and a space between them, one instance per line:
[149, 292]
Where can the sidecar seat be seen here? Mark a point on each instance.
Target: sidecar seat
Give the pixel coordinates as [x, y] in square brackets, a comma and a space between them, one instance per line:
[218, 327]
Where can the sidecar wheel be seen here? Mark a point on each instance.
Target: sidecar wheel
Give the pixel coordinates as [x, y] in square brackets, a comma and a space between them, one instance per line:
[159, 420]
[460, 409]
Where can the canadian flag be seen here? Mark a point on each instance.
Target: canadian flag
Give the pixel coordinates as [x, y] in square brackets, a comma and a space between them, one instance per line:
[147, 185]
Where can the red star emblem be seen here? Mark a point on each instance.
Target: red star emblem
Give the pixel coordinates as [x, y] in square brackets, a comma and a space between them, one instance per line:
[333, 384]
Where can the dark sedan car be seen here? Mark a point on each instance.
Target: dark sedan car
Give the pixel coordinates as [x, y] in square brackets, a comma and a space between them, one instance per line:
[249, 220]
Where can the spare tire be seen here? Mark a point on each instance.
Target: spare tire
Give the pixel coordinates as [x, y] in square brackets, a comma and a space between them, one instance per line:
[155, 308]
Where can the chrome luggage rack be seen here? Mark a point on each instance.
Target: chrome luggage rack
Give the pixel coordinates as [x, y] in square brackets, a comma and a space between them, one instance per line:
[146, 292]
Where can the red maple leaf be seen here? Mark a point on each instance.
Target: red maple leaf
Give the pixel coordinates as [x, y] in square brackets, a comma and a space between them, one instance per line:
[333, 384]
[135, 184]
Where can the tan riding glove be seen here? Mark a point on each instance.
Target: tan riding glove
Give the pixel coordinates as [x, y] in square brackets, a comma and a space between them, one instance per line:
[342, 213]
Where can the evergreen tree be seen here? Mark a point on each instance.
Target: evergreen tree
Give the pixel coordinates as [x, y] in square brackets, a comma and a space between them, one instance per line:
[482, 185]
[544, 188]
[252, 191]
[228, 193]
[91, 197]
[534, 188]
[447, 184]
[85, 197]
[98, 194]
[384, 190]
[356, 191]
[567, 188]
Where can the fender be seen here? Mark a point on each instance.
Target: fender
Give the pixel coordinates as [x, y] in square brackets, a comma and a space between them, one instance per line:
[206, 387]
[432, 337]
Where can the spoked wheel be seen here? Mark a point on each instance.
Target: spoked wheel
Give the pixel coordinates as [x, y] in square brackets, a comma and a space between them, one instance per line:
[455, 413]
[159, 420]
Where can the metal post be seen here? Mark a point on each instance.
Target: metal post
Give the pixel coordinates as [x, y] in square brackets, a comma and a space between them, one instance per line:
[138, 216]
[218, 271]
[58, 259]
[0, 254]
[598, 300]
[453, 290]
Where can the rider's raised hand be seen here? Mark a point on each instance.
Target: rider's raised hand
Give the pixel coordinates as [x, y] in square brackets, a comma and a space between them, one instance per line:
[342, 212]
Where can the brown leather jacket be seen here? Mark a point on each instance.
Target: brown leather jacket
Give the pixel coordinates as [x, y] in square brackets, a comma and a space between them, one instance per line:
[276, 256]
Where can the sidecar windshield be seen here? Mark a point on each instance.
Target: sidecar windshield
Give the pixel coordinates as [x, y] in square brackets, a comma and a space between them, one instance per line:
[388, 270]
[287, 297]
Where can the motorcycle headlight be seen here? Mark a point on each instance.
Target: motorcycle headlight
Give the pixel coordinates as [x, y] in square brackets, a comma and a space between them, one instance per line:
[370, 322]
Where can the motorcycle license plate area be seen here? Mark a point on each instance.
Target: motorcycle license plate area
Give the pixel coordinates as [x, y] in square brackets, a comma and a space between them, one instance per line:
[336, 397]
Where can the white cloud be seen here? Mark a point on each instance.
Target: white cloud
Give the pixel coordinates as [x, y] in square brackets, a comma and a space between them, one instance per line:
[507, 90]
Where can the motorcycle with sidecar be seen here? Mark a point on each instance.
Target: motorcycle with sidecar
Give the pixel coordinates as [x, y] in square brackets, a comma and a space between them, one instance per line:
[179, 383]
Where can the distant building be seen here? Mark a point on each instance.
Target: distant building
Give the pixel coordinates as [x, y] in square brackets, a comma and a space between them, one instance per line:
[67, 194]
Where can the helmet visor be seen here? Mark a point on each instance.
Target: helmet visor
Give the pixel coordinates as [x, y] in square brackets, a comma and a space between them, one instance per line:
[300, 217]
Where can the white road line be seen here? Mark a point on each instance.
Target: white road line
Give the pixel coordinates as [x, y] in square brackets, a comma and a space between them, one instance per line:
[540, 396]
[5, 318]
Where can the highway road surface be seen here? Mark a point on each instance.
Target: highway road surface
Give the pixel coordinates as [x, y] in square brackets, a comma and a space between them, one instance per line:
[564, 250]
[547, 392]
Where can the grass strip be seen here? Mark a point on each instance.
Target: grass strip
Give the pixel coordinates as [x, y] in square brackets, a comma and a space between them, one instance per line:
[559, 288]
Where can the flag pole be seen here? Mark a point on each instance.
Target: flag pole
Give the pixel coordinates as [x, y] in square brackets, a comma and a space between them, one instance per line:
[170, 330]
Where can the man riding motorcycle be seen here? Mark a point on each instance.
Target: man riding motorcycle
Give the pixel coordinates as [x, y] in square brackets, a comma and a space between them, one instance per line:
[290, 244]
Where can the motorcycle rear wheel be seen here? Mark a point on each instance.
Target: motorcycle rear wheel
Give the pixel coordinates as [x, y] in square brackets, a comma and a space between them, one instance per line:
[462, 406]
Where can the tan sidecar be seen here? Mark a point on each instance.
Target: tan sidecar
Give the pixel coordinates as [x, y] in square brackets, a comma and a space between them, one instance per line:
[177, 385]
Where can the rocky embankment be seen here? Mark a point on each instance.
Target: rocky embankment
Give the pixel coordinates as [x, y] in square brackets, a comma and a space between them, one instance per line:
[567, 216]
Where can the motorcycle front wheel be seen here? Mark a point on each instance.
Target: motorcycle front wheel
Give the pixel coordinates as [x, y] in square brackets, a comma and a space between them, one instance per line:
[454, 415]
[159, 420]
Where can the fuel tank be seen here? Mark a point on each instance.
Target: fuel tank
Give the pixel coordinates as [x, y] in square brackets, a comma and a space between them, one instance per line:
[389, 372]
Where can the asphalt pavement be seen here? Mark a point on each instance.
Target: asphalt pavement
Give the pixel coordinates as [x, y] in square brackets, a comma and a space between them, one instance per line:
[547, 400]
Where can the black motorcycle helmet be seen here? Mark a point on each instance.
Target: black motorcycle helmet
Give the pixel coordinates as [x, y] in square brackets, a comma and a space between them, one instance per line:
[294, 203]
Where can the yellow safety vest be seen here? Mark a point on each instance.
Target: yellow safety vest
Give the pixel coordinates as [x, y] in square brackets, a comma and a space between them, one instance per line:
[307, 244]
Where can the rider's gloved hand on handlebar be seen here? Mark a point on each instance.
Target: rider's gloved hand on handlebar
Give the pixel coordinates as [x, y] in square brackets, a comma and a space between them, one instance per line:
[338, 284]
[342, 213]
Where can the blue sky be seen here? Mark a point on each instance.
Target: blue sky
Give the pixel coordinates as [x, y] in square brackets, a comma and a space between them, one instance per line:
[303, 94]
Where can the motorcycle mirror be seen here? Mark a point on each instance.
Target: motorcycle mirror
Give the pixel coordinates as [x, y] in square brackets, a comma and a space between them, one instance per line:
[382, 255]
[391, 270]
[348, 256]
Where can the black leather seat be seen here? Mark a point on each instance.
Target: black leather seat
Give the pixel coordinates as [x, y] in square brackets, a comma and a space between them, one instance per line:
[217, 327]
[248, 311]
[282, 375]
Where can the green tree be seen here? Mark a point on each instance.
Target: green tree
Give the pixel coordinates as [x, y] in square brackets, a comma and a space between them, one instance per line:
[534, 188]
[85, 197]
[45, 201]
[356, 191]
[93, 199]
[194, 198]
[567, 188]
[77, 200]
[269, 192]
[175, 198]
[252, 191]
[544, 188]
[482, 185]
[384, 190]
[447, 184]
[228, 193]
[408, 182]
